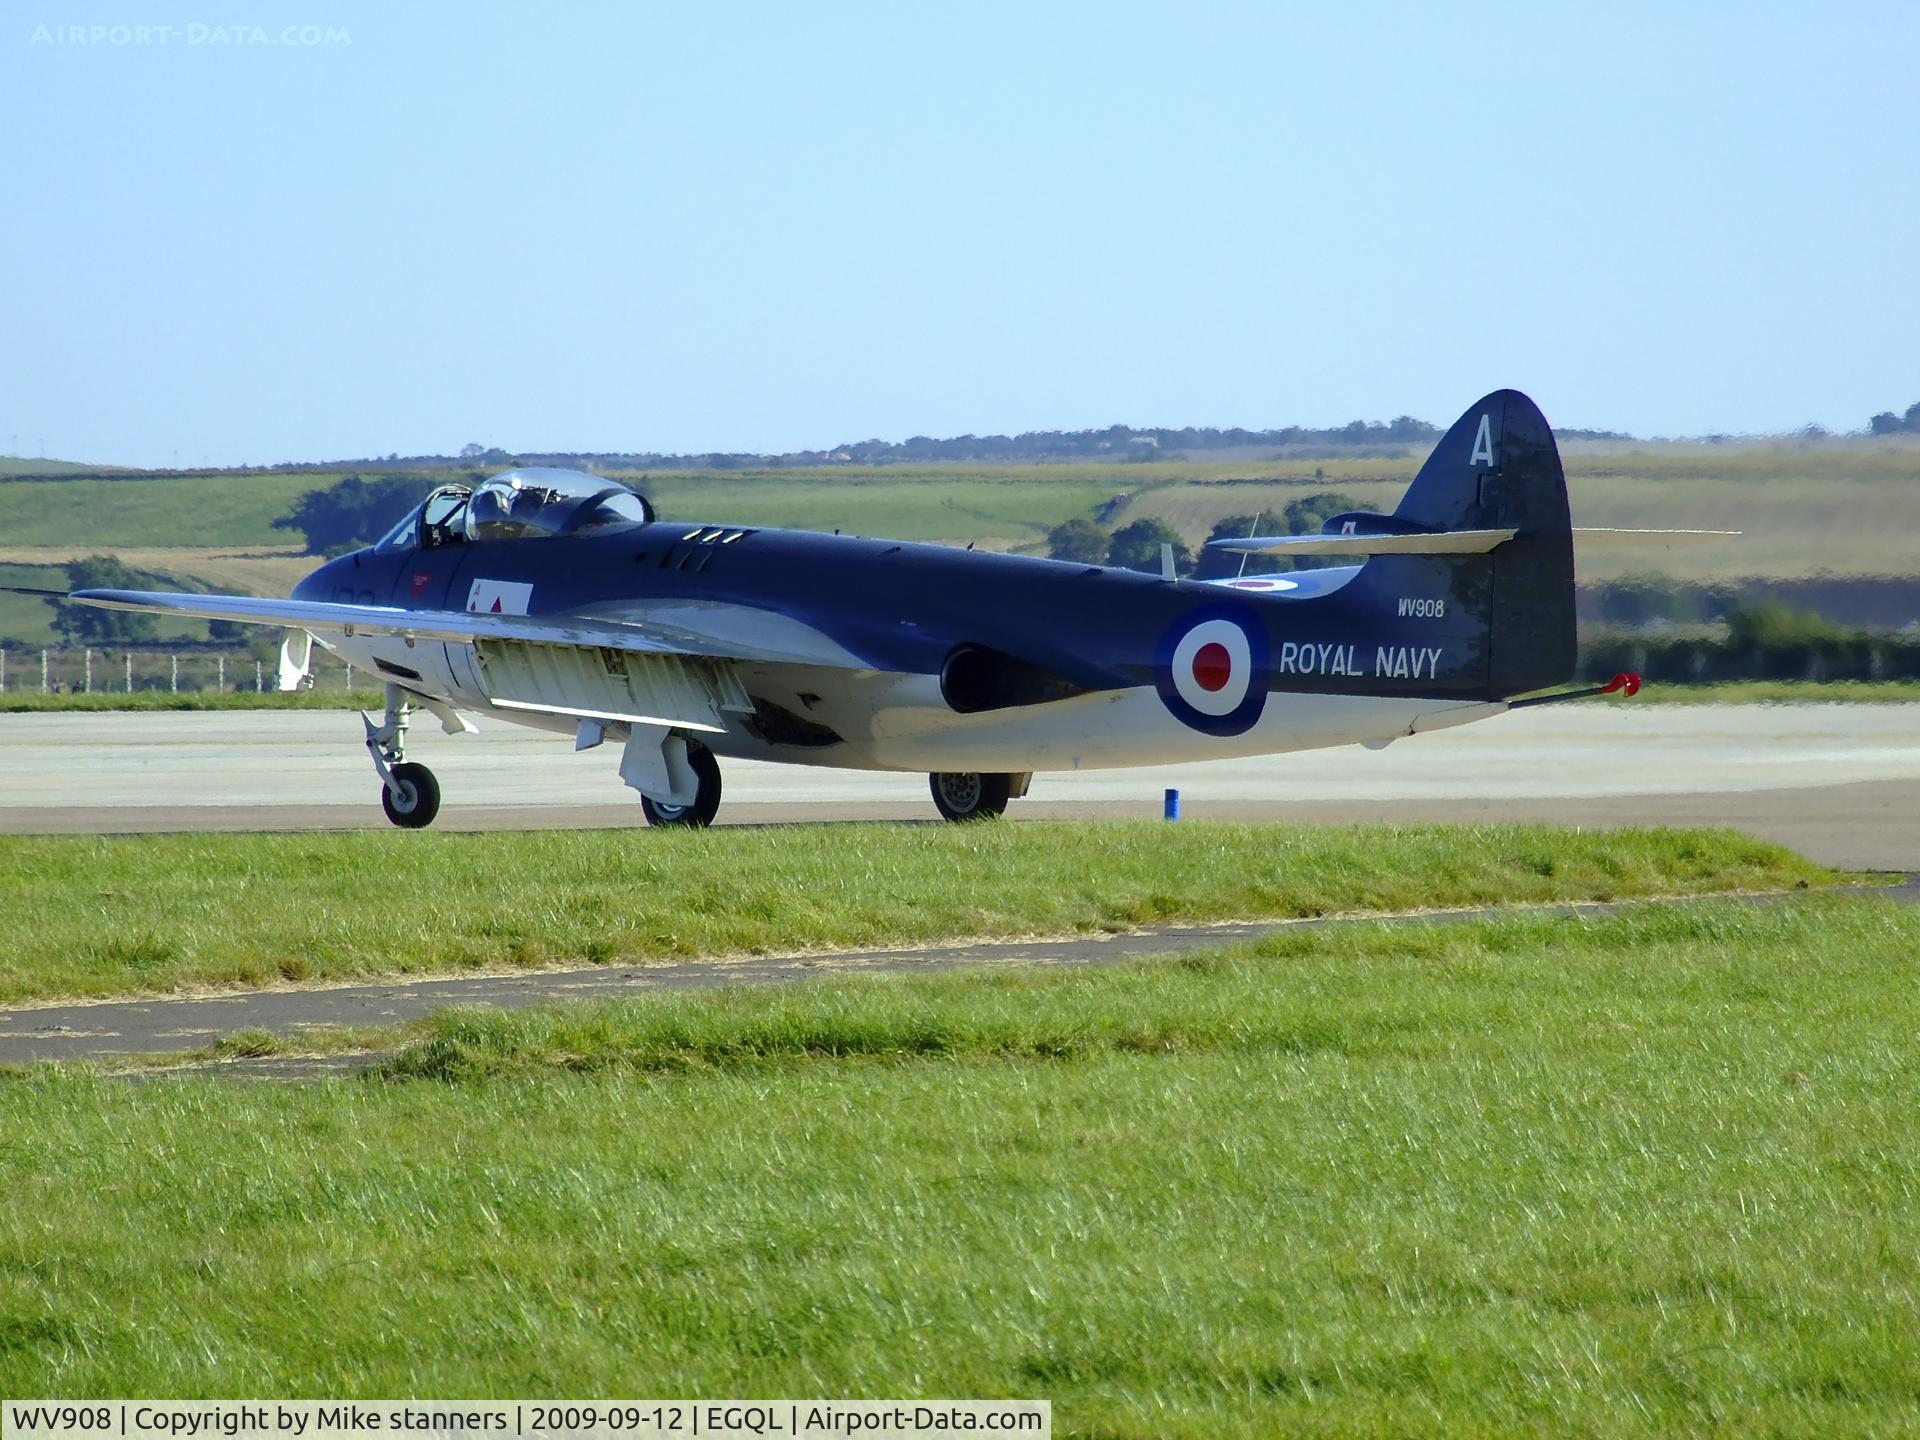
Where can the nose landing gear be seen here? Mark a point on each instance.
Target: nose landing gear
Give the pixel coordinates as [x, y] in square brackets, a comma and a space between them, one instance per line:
[409, 793]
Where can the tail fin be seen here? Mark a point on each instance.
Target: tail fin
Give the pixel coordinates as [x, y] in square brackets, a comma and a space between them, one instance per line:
[1499, 469]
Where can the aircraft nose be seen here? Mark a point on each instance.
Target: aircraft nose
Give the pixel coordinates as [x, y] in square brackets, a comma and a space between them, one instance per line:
[320, 584]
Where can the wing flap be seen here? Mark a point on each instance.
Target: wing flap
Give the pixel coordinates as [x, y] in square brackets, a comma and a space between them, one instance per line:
[610, 684]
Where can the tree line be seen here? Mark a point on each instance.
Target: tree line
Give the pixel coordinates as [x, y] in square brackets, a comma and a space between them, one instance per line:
[1888, 423]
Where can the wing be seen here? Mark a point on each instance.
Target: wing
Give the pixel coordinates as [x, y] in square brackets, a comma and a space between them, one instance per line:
[669, 663]
[661, 630]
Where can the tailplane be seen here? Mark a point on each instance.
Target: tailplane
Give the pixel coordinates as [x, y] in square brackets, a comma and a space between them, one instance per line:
[1481, 547]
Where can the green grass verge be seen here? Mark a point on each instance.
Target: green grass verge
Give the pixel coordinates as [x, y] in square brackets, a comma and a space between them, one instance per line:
[1650, 1175]
[102, 915]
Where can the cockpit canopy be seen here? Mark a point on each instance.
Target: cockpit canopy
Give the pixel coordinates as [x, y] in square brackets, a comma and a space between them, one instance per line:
[524, 504]
[519, 505]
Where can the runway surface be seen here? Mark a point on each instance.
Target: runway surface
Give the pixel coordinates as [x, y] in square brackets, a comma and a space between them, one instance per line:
[1840, 783]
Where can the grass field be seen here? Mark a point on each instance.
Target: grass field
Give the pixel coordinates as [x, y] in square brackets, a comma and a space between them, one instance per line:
[1652, 1175]
[89, 915]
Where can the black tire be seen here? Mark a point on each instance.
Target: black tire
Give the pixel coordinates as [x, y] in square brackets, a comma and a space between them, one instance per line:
[419, 798]
[966, 795]
[706, 804]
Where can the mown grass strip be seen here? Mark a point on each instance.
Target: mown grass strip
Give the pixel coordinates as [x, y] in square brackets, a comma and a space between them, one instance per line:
[124, 914]
[1646, 1175]
[1221, 1001]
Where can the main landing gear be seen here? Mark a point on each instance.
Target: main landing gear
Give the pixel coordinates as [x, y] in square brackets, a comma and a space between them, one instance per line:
[969, 795]
[706, 802]
[408, 792]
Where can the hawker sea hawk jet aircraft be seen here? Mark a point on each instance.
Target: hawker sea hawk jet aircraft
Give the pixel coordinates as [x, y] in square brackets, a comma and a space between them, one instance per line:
[556, 599]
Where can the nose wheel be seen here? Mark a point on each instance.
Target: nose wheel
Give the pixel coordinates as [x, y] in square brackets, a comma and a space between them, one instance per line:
[968, 795]
[411, 796]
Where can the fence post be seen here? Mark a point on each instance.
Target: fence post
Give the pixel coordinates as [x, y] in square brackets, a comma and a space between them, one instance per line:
[220, 681]
[43, 672]
[129, 672]
[349, 677]
[3, 671]
[259, 679]
[87, 670]
[173, 679]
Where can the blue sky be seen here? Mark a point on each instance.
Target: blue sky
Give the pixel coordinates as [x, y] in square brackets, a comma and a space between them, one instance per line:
[746, 227]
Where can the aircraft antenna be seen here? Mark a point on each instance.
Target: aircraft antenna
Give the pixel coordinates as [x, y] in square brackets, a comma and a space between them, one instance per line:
[1255, 530]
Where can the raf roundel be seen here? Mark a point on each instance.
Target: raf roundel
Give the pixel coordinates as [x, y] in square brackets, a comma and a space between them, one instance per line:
[1211, 669]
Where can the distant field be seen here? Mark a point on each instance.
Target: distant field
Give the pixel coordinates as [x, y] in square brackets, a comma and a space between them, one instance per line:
[28, 620]
[1824, 510]
[251, 570]
[22, 465]
[1842, 508]
[1646, 1176]
[1018, 506]
[189, 510]
[25, 618]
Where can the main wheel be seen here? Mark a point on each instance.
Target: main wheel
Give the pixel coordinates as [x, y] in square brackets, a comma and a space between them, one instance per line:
[419, 798]
[965, 795]
[706, 802]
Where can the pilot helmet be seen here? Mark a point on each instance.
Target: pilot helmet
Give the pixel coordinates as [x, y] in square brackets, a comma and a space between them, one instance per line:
[490, 511]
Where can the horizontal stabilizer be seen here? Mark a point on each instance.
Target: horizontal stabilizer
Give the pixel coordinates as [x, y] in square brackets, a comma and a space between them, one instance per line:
[1437, 542]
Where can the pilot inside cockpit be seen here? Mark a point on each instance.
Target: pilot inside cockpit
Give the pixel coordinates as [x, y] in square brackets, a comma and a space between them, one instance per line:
[505, 508]
[536, 502]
